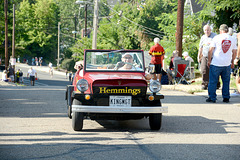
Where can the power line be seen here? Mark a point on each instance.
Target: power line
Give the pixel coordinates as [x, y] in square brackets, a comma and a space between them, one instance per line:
[146, 32]
[148, 29]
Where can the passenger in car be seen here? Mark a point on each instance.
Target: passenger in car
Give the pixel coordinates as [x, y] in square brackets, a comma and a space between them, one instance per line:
[79, 66]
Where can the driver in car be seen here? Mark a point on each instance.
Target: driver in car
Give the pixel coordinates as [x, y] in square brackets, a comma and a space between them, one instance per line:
[127, 63]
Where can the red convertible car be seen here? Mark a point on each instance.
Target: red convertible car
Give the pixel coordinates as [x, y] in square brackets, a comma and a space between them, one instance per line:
[111, 85]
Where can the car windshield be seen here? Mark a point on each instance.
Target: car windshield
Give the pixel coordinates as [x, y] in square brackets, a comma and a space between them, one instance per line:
[124, 61]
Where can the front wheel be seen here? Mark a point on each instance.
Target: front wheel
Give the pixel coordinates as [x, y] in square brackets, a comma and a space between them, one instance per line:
[77, 118]
[155, 121]
[77, 121]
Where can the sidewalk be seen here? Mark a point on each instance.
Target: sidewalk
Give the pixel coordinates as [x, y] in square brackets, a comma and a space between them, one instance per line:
[193, 88]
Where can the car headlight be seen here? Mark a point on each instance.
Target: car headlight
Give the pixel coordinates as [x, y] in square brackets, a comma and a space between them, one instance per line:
[155, 86]
[82, 85]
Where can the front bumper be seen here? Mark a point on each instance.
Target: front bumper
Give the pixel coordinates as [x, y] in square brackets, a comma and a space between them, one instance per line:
[108, 109]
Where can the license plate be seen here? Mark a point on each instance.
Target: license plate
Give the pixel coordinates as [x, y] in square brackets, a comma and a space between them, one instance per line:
[120, 101]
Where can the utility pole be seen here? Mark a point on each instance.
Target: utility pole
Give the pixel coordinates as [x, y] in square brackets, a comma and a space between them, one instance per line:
[75, 23]
[179, 33]
[13, 36]
[58, 44]
[95, 25]
[85, 20]
[6, 33]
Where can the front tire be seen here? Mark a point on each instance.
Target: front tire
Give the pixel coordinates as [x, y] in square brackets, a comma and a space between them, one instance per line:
[155, 121]
[77, 118]
[69, 100]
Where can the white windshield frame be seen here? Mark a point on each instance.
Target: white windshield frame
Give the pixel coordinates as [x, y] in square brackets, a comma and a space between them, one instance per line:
[114, 61]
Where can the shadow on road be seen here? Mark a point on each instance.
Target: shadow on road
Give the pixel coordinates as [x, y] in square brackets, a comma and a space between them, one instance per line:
[80, 148]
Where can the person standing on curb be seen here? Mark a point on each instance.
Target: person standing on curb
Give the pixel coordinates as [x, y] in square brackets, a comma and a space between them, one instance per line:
[70, 76]
[36, 61]
[40, 61]
[157, 52]
[11, 73]
[33, 61]
[32, 72]
[18, 76]
[50, 69]
[203, 55]
[237, 63]
[21, 76]
[221, 57]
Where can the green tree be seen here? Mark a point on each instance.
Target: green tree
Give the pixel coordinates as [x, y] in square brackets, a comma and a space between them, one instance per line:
[79, 47]
[2, 25]
[25, 24]
[117, 31]
[71, 15]
[10, 23]
[133, 25]
[149, 21]
[37, 28]
[192, 31]
[225, 11]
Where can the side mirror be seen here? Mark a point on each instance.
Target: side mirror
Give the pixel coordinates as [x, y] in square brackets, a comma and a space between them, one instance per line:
[151, 68]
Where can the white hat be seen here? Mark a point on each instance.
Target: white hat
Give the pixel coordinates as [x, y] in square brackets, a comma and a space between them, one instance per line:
[156, 40]
[127, 54]
[185, 53]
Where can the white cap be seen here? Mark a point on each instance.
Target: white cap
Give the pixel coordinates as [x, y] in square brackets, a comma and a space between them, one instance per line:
[156, 40]
[127, 54]
[185, 54]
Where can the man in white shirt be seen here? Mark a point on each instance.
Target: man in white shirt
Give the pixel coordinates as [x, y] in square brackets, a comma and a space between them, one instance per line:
[221, 57]
[237, 63]
[204, 46]
[32, 72]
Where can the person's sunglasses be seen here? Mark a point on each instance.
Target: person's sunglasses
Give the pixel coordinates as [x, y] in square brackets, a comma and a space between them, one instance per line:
[128, 57]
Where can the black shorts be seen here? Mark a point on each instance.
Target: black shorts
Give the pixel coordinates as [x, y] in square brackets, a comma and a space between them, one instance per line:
[32, 78]
[158, 69]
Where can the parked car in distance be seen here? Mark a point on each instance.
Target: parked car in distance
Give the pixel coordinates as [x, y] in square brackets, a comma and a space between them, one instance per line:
[111, 85]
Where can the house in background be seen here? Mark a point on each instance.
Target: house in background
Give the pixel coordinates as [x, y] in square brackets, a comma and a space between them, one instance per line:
[191, 7]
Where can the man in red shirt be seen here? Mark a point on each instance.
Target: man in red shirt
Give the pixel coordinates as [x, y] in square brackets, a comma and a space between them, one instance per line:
[157, 52]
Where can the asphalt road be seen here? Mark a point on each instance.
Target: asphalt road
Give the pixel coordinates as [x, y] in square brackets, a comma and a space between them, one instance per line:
[34, 125]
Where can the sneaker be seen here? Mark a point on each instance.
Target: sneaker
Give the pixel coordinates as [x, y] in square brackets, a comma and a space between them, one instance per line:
[218, 85]
[235, 94]
[226, 100]
[209, 100]
[204, 87]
